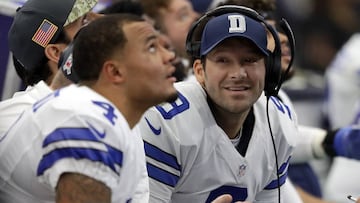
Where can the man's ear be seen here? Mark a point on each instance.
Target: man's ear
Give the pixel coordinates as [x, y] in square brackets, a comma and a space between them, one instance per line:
[199, 72]
[114, 71]
[53, 52]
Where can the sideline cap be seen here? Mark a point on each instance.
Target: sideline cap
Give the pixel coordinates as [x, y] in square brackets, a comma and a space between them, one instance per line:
[229, 25]
[38, 23]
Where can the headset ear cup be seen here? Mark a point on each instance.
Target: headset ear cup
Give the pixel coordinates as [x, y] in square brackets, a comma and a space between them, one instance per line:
[195, 50]
[273, 66]
[268, 76]
[273, 74]
[190, 50]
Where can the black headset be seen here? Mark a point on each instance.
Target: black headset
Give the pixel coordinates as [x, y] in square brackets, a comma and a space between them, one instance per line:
[273, 78]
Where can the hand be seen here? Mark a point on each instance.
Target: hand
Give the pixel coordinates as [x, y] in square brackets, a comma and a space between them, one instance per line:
[225, 199]
[347, 142]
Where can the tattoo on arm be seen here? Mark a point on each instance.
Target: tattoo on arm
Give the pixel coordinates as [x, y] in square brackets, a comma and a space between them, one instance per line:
[77, 188]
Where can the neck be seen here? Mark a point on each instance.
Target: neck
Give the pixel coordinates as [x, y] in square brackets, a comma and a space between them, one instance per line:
[230, 122]
[131, 110]
[59, 81]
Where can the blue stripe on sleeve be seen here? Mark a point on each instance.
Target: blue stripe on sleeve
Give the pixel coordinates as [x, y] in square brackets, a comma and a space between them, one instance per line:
[283, 166]
[162, 175]
[109, 157]
[61, 134]
[274, 184]
[161, 156]
[50, 159]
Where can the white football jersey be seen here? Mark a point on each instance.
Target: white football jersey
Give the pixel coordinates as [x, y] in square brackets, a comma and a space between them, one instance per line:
[191, 159]
[11, 109]
[343, 81]
[73, 130]
[343, 96]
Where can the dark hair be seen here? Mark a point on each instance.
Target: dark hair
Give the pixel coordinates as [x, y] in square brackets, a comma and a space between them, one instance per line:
[152, 9]
[97, 42]
[266, 8]
[42, 70]
[124, 6]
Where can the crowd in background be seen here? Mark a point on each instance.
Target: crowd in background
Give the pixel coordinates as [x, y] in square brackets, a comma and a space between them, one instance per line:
[321, 27]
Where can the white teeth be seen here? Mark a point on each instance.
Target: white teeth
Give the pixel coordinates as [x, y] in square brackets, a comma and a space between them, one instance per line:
[237, 88]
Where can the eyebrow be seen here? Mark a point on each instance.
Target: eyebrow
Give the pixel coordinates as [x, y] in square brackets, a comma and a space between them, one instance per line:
[152, 36]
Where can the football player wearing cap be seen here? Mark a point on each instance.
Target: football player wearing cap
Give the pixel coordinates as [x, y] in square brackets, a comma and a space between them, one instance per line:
[215, 138]
[40, 32]
[316, 143]
[78, 143]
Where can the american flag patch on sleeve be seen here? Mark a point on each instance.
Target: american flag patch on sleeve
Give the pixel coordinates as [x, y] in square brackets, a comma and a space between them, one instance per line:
[44, 33]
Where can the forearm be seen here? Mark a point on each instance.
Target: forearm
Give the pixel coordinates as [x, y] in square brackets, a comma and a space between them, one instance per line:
[77, 188]
[310, 145]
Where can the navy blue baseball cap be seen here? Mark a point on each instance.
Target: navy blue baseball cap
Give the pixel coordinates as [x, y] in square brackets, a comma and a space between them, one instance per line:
[229, 25]
[38, 23]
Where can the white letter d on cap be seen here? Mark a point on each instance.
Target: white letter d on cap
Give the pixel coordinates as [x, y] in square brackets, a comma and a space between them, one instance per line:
[237, 23]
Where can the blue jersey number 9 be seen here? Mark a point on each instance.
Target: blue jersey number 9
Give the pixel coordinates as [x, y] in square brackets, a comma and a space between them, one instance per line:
[176, 108]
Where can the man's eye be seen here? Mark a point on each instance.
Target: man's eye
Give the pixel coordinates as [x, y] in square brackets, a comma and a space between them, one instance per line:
[152, 48]
[222, 60]
[251, 60]
[184, 15]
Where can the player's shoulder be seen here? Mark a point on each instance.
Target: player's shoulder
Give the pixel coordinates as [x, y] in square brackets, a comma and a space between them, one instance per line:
[190, 110]
[73, 97]
[281, 116]
[191, 90]
[190, 104]
[277, 107]
[74, 102]
[23, 99]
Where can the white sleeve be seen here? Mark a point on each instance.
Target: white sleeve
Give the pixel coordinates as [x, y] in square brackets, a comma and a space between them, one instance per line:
[289, 193]
[310, 145]
[161, 156]
[142, 191]
[75, 148]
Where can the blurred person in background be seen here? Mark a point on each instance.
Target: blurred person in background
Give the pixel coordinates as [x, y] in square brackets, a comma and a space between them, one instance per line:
[325, 25]
[135, 7]
[173, 18]
[342, 107]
